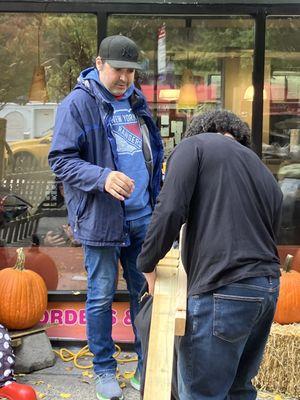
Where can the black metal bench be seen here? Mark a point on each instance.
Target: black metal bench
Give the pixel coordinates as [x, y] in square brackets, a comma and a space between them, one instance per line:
[20, 229]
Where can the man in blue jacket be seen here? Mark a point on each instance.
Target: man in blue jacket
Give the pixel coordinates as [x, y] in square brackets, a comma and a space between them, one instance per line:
[108, 152]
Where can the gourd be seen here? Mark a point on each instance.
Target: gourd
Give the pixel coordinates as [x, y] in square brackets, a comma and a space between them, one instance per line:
[23, 295]
[288, 305]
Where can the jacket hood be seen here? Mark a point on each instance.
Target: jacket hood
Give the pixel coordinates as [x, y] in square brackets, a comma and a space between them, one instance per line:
[89, 80]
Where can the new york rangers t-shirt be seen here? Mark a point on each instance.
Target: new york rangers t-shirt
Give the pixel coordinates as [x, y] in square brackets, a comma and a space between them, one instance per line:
[126, 130]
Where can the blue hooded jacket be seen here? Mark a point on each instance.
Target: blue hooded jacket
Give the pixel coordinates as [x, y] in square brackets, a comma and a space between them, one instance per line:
[83, 153]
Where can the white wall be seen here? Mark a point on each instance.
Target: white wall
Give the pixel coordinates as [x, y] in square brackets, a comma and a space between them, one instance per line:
[28, 121]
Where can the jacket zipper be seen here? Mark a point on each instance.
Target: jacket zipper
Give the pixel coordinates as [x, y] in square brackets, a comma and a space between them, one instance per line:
[79, 212]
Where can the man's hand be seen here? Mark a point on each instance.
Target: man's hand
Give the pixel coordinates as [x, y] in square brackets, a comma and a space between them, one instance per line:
[150, 278]
[119, 185]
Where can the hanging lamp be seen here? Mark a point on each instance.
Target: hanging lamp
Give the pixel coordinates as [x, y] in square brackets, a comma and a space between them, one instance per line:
[249, 93]
[188, 95]
[38, 88]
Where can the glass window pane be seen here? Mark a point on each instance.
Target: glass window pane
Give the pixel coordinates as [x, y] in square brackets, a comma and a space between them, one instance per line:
[190, 65]
[41, 56]
[281, 125]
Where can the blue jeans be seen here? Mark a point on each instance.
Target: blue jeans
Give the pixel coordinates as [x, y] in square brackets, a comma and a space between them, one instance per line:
[102, 265]
[227, 330]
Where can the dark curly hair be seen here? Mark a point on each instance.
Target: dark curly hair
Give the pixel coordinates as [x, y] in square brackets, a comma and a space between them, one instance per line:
[220, 121]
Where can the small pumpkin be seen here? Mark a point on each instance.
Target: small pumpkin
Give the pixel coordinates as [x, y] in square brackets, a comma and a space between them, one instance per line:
[23, 295]
[288, 305]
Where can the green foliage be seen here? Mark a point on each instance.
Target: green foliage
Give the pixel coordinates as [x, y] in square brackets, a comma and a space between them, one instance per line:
[67, 44]
[72, 41]
[282, 36]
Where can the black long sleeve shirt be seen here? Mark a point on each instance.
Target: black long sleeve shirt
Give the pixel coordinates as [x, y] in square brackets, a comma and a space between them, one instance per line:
[232, 206]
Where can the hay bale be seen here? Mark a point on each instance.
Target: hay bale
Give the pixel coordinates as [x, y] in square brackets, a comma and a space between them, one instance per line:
[280, 368]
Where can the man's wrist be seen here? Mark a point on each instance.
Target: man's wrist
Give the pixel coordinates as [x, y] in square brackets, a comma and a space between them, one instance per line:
[102, 179]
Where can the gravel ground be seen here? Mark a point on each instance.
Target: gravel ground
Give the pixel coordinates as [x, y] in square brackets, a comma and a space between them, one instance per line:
[65, 381]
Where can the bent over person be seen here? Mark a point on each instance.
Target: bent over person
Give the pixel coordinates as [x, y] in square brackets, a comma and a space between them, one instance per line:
[231, 204]
[107, 151]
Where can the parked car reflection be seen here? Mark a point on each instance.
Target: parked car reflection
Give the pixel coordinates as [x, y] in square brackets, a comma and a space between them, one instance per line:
[29, 155]
[289, 181]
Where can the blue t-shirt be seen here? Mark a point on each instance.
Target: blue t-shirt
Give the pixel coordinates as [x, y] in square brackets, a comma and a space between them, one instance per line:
[125, 128]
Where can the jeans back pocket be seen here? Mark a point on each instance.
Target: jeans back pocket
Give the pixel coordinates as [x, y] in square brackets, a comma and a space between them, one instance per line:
[235, 316]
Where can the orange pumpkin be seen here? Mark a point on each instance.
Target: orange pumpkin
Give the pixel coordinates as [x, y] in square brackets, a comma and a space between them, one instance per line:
[23, 295]
[288, 305]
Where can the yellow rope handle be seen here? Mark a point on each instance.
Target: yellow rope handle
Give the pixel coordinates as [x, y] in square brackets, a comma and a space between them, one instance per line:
[67, 355]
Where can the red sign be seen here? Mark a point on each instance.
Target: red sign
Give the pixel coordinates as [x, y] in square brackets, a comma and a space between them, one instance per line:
[70, 321]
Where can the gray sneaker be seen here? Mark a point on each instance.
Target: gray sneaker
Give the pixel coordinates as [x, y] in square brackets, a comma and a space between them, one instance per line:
[107, 387]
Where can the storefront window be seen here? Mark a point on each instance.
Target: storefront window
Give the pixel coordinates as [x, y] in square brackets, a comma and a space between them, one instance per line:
[41, 56]
[191, 65]
[281, 125]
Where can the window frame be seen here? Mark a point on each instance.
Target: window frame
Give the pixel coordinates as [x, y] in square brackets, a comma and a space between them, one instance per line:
[103, 11]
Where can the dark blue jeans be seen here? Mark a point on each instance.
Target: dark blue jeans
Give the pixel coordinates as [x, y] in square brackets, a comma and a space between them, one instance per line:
[102, 266]
[227, 330]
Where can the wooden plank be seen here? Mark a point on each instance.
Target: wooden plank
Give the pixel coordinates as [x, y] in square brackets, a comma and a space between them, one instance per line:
[25, 332]
[161, 340]
[181, 301]
[168, 262]
[173, 253]
[168, 319]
